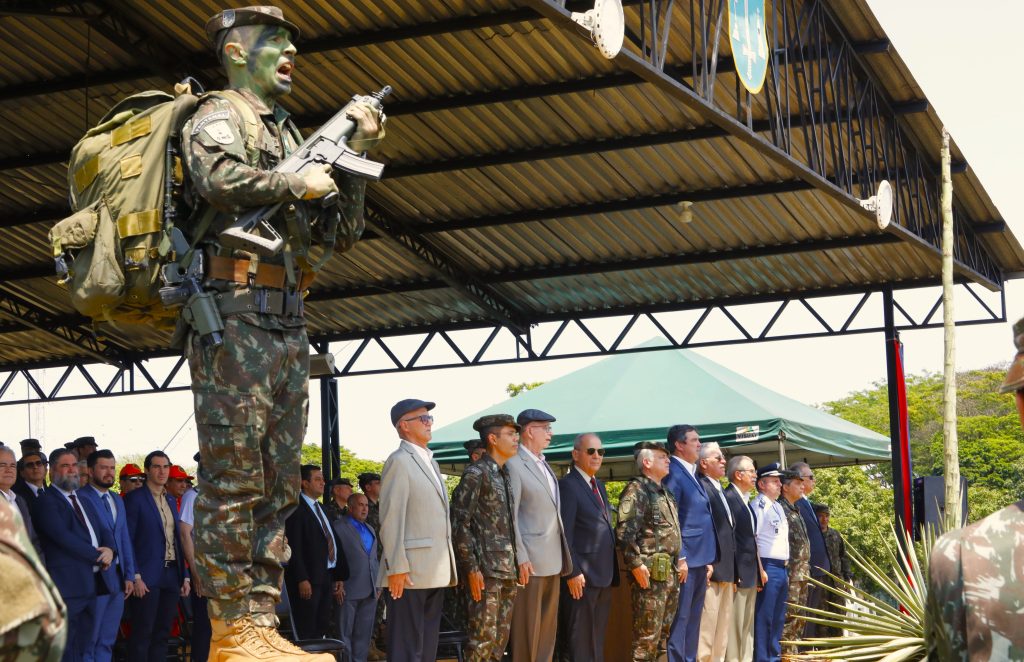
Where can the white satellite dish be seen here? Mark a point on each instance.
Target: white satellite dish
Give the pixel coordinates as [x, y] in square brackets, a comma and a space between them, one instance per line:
[606, 24]
[881, 204]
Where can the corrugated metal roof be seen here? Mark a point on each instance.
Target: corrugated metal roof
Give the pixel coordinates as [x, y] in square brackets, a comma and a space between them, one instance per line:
[563, 203]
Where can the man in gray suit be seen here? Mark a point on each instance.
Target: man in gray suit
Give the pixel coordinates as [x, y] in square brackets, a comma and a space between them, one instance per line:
[418, 561]
[541, 547]
[359, 545]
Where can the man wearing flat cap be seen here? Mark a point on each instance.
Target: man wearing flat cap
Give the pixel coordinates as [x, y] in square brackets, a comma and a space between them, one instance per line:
[648, 535]
[417, 561]
[340, 489]
[251, 392]
[772, 533]
[483, 520]
[975, 592]
[541, 547]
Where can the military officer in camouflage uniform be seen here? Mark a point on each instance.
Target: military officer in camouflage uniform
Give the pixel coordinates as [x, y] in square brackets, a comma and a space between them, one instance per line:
[838, 560]
[251, 393]
[27, 590]
[975, 588]
[369, 483]
[799, 558]
[483, 528]
[648, 535]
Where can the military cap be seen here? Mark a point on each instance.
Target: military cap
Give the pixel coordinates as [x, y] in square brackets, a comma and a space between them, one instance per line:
[650, 446]
[129, 470]
[255, 15]
[403, 407]
[367, 477]
[820, 508]
[530, 415]
[30, 446]
[494, 421]
[195, 458]
[1015, 375]
[770, 470]
[80, 442]
[474, 444]
[340, 481]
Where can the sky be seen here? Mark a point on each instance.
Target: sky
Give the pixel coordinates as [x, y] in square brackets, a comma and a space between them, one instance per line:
[960, 54]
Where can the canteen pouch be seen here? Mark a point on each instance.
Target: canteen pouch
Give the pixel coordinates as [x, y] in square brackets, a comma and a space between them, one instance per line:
[660, 566]
[94, 274]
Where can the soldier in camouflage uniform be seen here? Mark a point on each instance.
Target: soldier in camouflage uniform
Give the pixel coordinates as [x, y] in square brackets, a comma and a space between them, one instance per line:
[483, 529]
[838, 561]
[251, 393]
[33, 618]
[648, 535]
[976, 574]
[799, 558]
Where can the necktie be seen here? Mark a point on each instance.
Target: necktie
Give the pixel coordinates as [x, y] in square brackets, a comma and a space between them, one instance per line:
[110, 505]
[597, 495]
[323, 525]
[78, 510]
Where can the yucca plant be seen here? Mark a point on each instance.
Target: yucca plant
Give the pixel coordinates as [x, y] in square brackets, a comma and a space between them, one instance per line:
[890, 628]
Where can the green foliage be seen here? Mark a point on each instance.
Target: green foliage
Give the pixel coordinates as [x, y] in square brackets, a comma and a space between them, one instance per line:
[351, 466]
[515, 389]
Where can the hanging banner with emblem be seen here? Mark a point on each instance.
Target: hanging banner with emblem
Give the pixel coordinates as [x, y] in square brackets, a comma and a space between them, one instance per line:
[749, 40]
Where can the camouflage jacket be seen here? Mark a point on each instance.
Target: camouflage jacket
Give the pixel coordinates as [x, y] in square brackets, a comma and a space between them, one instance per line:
[648, 522]
[976, 589]
[334, 511]
[373, 519]
[483, 528]
[837, 558]
[799, 544]
[33, 618]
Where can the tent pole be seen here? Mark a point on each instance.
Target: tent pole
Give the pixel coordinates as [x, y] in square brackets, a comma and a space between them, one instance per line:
[782, 450]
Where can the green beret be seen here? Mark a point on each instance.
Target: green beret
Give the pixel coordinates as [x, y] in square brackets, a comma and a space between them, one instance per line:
[257, 15]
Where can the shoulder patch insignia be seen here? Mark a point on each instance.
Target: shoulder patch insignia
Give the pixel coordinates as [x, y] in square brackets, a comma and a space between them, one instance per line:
[626, 510]
[221, 131]
[474, 470]
[206, 119]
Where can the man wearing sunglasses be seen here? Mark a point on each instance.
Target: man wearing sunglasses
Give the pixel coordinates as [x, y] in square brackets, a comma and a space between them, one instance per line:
[819, 553]
[131, 478]
[32, 472]
[591, 540]
[418, 561]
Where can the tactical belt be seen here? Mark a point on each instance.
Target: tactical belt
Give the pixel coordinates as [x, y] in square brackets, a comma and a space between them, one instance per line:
[271, 302]
[267, 275]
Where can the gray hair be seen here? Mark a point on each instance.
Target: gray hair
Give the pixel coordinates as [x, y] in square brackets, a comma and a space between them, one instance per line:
[734, 465]
[707, 448]
[7, 450]
[577, 443]
[798, 467]
[644, 454]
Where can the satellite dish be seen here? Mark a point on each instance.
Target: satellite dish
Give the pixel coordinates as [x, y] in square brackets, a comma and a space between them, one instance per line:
[881, 204]
[606, 24]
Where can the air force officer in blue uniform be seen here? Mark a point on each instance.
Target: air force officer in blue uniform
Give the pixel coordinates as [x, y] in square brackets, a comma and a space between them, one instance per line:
[700, 541]
[591, 540]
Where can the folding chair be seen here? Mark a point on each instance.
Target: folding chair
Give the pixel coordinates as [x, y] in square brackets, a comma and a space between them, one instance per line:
[325, 645]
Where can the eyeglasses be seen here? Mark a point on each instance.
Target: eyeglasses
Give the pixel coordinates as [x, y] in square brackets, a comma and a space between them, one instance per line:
[33, 465]
[425, 419]
[807, 477]
[545, 428]
[599, 451]
[134, 479]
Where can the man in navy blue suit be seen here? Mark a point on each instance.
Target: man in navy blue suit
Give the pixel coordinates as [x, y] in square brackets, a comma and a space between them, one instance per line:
[700, 540]
[110, 508]
[78, 549]
[160, 575]
[588, 531]
[819, 554]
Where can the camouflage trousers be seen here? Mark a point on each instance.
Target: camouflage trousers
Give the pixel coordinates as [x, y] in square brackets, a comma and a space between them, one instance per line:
[489, 620]
[794, 627]
[251, 400]
[654, 610]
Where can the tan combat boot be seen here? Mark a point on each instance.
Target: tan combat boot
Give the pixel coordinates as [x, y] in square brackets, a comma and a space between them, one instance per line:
[279, 643]
[240, 641]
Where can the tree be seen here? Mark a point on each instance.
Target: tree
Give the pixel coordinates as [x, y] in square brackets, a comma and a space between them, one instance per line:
[351, 466]
[515, 389]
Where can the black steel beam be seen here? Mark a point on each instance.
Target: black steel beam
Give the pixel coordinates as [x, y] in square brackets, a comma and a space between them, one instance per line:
[75, 336]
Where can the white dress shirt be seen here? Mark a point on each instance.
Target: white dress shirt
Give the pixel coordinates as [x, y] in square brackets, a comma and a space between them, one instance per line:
[721, 495]
[692, 468]
[543, 467]
[321, 517]
[427, 456]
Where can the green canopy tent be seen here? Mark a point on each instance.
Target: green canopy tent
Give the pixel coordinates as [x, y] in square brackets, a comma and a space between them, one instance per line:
[638, 396]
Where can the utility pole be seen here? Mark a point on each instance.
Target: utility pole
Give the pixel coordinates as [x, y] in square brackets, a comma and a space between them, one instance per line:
[951, 447]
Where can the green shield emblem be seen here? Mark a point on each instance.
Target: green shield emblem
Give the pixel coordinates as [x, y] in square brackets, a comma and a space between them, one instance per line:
[749, 40]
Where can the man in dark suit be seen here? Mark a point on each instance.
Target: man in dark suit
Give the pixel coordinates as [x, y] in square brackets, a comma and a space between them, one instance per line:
[749, 574]
[700, 540]
[717, 614]
[591, 539]
[160, 574]
[819, 553]
[317, 568]
[113, 518]
[8, 476]
[31, 476]
[359, 546]
[78, 549]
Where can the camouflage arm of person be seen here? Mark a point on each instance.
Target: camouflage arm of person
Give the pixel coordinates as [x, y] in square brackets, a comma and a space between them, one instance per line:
[214, 152]
[632, 511]
[945, 610]
[468, 555]
[845, 562]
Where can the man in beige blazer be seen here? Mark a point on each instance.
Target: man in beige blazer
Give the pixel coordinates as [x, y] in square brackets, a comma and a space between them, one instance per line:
[540, 541]
[418, 561]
